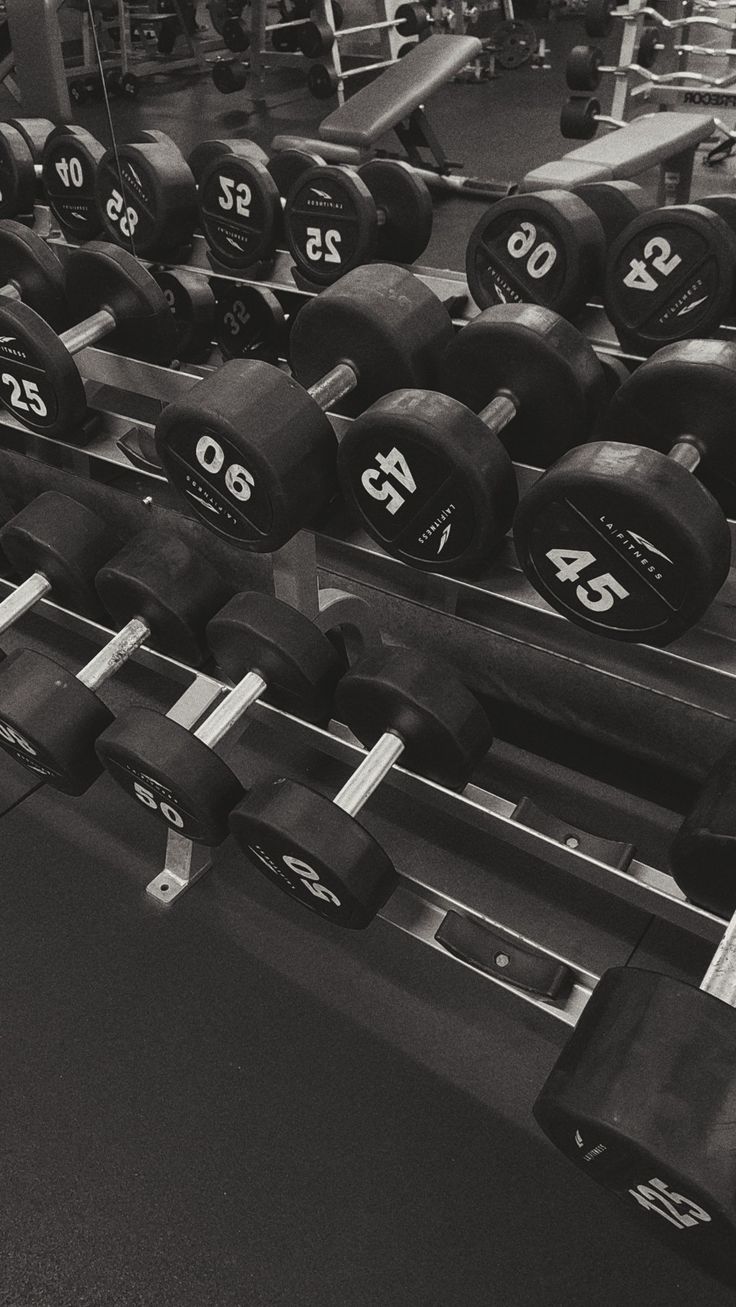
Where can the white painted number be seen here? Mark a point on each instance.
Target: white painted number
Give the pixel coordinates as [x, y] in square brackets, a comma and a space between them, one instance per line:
[13, 737]
[657, 253]
[571, 562]
[521, 243]
[24, 395]
[150, 801]
[126, 218]
[211, 456]
[235, 195]
[656, 1197]
[314, 251]
[393, 465]
[310, 880]
[70, 172]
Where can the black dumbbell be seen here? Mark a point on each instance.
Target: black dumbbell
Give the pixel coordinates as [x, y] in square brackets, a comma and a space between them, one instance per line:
[430, 476]
[191, 301]
[641, 1100]
[229, 75]
[161, 592]
[581, 116]
[68, 168]
[249, 322]
[113, 298]
[22, 142]
[57, 546]
[402, 707]
[549, 247]
[272, 652]
[672, 273]
[241, 202]
[621, 536]
[147, 195]
[701, 856]
[586, 63]
[32, 273]
[252, 451]
[336, 219]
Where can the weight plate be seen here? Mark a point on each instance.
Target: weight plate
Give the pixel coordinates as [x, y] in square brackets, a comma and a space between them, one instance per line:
[407, 205]
[582, 70]
[623, 541]
[646, 51]
[544, 249]
[515, 43]
[40, 383]
[579, 118]
[70, 160]
[240, 209]
[670, 275]
[147, 198]
[249, 322]
[322, 82]
[330, 224]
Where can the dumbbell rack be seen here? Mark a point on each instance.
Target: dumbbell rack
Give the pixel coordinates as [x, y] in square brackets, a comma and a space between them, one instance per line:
[469, 618]
[262, 56]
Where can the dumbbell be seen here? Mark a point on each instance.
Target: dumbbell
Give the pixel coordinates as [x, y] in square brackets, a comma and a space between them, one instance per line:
[403, 707]
[581, 116]
[672, 273]
[586, 63]
[68, 167]
[113, 298]
[58, 546]
[620, 535]
[249, 322]
[241, 202]
[701, 856]
[147, 195]
[22, 141]
[316, 39]
[549, 247]
[429, 475]
[251, 450]
[229, 75]
[641, 1100]
[160, 592]
[271, 652]
[191, 302]
[32, 273]
[336, 219]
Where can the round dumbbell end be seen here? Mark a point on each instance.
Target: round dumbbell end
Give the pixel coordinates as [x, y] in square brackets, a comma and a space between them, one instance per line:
[544, 362]
[670, 275]
[427, 480]
[702, 856]
[545, 248]
[66, 542]
[28, 261]
[444, 727]
[172, 588]
[379, 318]
[39, 380]
[192, 308]
[315, 852]
[249, 322]
[255, 632]
[171, 773]
[406, 201]
[251, 453]
[147, 196]
[623, 541]
[240, 209]
[103, 276]
[330, 223]
[49, 721]
[641, 1100]
[70, 160]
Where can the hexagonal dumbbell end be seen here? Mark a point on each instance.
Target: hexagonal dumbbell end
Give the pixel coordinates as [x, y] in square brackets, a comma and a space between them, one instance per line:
[402, 706]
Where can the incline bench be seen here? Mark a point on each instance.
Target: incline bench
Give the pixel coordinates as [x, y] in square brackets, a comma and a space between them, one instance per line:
[395, 101]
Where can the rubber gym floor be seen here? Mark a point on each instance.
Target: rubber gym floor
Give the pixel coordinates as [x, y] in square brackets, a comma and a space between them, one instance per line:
[234, 1105]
